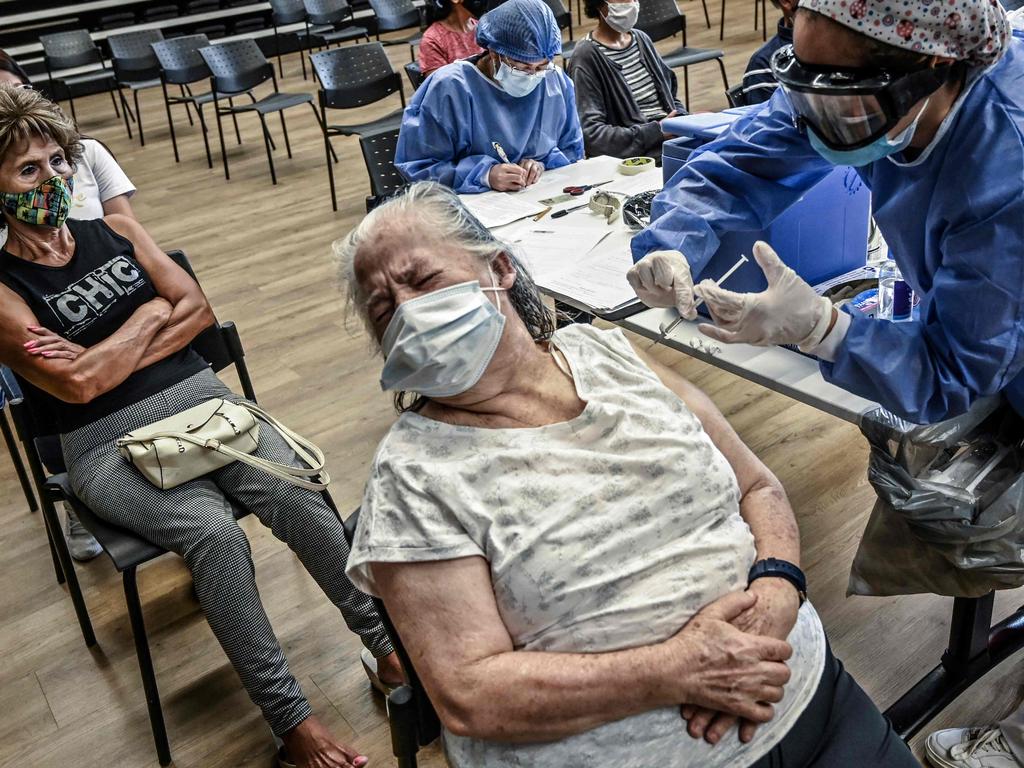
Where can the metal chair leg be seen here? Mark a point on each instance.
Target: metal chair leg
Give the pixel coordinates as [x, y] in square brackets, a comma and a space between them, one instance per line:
[328, 149]
[68, 567]
[19, 465]
[220, 133]
[156, 715]
[721, 26]
[138, 114]
[323, 126]
[170, 122]
[206, 136]
[57, 570]
[118, 114]
[188, 110]
[270, 154]
[127, 124]
[686, 88]
[707, 19]
[284, 130]
[764, 19]
[234, 118]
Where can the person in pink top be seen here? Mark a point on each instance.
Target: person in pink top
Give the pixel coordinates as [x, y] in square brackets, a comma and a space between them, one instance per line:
[452, 32]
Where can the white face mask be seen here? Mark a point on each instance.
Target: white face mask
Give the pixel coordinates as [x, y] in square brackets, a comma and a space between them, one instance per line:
[516, 83]
[440, 344]
[622, 16]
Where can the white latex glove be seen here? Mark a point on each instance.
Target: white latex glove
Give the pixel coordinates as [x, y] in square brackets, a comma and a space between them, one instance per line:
[662, 279]
[788, 311]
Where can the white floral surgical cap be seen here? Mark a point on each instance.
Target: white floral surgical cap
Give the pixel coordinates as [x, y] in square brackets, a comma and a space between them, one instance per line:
[976, 31]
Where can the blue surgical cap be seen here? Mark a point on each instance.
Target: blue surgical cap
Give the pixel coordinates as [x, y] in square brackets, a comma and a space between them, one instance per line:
[524, 30]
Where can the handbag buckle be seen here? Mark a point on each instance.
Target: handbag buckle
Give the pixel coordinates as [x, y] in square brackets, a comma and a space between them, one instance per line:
[213, 444]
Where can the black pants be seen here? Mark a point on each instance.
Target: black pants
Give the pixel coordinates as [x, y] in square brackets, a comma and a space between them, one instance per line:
[841, 728]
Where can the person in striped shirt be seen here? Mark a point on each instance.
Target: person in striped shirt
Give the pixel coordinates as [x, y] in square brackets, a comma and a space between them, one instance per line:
[623, 87]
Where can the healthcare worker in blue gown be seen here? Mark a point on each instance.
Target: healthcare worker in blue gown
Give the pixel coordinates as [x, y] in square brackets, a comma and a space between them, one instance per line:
[926, 99]
[511, 94]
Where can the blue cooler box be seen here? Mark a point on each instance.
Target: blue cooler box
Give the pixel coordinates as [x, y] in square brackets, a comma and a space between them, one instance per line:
[821, 236]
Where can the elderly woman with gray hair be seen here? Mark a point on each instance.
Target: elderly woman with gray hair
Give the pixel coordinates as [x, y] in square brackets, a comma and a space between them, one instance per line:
[571, 540]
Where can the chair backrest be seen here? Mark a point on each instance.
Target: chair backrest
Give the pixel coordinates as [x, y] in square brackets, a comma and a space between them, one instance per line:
[563, 18]
[415, 74]
[202, 6]
[327, 11]
[237, 66]
[115, 20]
[180, 59]
[212, 31]
[74, 48]
[395, 14]
[409, 707]
[660, 19]
[287, 11]
[379, 154]
[160, 12]
[132, 54]
[355, 75]
[246, 26]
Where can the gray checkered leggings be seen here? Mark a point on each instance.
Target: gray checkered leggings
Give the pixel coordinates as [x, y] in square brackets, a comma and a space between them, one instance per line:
[195, 520]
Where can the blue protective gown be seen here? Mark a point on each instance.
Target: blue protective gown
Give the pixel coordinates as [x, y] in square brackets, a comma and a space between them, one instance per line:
[452, 119]
[954, 219]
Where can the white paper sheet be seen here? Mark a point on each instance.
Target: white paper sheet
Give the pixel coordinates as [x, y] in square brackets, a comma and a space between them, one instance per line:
[598, 278]
[548, 250]
[495, 209]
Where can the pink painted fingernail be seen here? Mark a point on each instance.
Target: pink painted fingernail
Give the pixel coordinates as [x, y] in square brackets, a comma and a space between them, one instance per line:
[30, 344]
[46, 354]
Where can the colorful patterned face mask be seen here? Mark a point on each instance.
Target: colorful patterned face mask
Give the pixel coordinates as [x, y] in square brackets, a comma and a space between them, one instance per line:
[48, 205]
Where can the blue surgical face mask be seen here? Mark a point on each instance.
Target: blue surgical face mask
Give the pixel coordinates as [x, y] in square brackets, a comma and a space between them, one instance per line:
[877, 150]
[440, 344]
[516, 83]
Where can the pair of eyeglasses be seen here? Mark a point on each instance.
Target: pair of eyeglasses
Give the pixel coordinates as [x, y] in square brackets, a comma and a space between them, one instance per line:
[527, 69]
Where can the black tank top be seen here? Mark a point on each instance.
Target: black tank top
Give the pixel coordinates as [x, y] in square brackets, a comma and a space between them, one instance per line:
[85, 301]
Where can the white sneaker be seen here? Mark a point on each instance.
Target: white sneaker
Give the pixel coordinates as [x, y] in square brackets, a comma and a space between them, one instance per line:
[970, 748]
[81, 543]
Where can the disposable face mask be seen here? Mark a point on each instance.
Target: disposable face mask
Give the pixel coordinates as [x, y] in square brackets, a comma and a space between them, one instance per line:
[881, 148]
[440, 344]
[517, 83]
[48, 205]
[622, 16]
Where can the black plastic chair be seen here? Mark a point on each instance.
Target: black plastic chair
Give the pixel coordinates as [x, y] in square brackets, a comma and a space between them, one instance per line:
[136, 68]
[161, 13]
[238, 67]
[201, 6]
[116, 20]
[379, 156]
[329, 21]
[661, 19]
[350, 78]
[68, 50]
[411, 716]
[220, 346]
[181, 65]
[415, 74]
[563, 18]
[394, 15]
[248, 26]
[734, 96]
[284, 13]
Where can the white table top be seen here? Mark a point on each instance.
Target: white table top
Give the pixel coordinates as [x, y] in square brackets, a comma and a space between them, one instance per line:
[777, 368]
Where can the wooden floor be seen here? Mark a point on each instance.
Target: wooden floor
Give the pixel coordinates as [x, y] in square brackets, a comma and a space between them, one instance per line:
[263, 255]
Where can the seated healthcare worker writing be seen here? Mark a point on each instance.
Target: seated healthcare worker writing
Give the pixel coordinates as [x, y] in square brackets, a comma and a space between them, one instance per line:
[512, 95]
[564, 535]
[623, 87]
[927, 100]
[96, 322]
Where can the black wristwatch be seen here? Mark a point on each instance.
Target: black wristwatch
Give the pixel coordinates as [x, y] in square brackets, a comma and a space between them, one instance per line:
[781, 569]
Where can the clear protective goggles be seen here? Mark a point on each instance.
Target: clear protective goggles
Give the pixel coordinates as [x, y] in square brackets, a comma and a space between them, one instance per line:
[851, 108]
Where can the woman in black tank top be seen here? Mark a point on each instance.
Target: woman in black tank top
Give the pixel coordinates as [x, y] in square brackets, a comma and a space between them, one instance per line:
[96, 322]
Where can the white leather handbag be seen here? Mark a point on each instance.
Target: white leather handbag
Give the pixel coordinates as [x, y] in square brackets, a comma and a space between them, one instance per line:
[212, 435]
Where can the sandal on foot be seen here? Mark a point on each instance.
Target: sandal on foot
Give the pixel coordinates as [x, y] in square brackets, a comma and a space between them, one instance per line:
[370, 666]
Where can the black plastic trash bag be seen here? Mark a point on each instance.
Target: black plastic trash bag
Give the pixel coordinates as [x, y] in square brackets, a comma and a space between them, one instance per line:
[949, 519]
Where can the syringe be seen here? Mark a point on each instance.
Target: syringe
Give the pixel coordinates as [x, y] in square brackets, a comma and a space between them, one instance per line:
[666, 330]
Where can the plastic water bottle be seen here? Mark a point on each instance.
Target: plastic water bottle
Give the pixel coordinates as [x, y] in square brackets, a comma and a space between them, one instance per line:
[895, 297]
